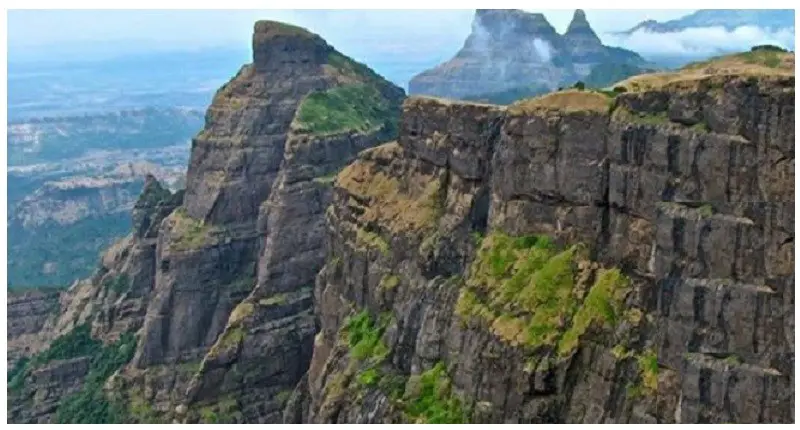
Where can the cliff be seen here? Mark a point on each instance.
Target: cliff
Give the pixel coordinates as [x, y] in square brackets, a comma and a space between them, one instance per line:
[214, 281]
[583, 256]
[579, 257]
[511, 50]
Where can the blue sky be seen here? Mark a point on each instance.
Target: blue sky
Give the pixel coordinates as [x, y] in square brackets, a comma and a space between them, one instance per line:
[428, 35]
[422, 30]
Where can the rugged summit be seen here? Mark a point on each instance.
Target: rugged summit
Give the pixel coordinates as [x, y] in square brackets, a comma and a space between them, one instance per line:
[216, 281]
[512, 49]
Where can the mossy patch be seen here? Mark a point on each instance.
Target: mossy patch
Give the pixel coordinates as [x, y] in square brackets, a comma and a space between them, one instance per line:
[277, 299]
[372, 240]
[431, 400]
[530, 292]
[347, 108]
[240, 312]
[326, 179]
[648, 368]
[231, 338]
[226, 410]
[400, 203]
[364, 336]
[389, 282]
[602, 306]
[188, 233]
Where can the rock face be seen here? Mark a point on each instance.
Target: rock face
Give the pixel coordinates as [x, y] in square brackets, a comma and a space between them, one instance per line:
[28, 312]
[572, 258]
[216, 281]
[442, 300]
[511, 49]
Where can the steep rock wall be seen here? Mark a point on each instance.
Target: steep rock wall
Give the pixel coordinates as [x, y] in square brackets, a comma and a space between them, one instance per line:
[685, 189]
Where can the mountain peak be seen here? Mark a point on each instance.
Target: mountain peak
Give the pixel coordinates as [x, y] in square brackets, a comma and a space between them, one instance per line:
[276, 43]
[580, 26]
[507, 21]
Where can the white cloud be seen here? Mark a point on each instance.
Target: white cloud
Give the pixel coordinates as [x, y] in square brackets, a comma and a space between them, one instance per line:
[701, 41]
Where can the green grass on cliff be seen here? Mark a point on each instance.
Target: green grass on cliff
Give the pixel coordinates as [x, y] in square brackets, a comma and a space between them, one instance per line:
[530, 293]
[364, 336]
[429, 398]
[90, 405]
[432, 401]
[347, 108]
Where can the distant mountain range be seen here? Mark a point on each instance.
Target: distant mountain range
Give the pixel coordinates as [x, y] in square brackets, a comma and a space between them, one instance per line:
[514, 53]
[730, 19]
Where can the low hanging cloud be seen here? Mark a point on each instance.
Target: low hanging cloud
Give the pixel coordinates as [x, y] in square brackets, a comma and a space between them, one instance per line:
[702, 41]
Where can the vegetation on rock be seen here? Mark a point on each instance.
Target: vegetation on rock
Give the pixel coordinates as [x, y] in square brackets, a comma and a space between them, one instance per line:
[431, 400]
[90, 405]
[348, 108]
[189, 232]
[531, 293]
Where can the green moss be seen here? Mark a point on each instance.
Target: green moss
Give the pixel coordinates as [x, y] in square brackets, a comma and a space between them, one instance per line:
[226, 410]
[701, 127]
[326, 179]
[520, 275]
[368, 378]
[706, 210]
[370, 239]
[277, 299]
[348, 108]
[524, 289]
[241, 311]
[602, 306]
[648, 368]
[433, 401]
[733, 360]
[364, 337]
[389, 282]
[477, 237]
[190, 233]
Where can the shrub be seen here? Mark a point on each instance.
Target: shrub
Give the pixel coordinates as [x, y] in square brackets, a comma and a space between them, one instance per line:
[579, 86]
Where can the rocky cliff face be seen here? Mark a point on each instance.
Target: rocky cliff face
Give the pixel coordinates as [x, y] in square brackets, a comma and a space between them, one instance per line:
[510, 50]
[578, 257]
[216, 281]
[28, 312]
[573, 258]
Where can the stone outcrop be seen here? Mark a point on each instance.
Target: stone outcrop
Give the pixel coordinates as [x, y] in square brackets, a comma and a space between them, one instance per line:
[216, 280]
[510, 50]
[27, 314]
[441, 301]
